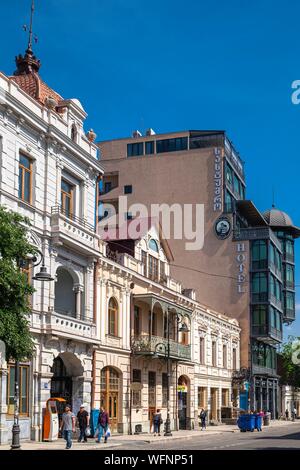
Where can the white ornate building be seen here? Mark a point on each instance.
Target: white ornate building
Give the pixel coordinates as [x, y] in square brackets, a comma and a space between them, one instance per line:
[101, 325]
[48, 172]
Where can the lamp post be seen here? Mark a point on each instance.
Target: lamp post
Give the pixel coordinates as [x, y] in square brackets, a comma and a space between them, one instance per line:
[43, 276]
[166, 348]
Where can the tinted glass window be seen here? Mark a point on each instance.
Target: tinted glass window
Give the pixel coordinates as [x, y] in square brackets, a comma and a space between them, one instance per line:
[134, 150]
[149, 147]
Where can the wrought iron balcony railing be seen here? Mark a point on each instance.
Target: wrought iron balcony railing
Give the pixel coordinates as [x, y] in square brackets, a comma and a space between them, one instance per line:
[148, 345]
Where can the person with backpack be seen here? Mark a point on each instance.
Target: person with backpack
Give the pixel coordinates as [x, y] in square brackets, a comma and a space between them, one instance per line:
[157, 422]
[202, 417]
[103, 421]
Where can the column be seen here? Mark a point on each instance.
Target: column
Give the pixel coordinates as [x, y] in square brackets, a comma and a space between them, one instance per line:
[53, 256]
[78, 289]
[4, 432]
[208, 404]
[59, 167]
[89, 288]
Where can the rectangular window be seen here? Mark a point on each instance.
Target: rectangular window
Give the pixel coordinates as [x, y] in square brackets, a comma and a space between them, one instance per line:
[164, 379]
[234, 362]
[289, 276]
[225, 397]
[23, 390]
[25, 179]
[224, 356]
[259, 254]
[259, 287]
[134, 150]
[202, 350]
[171, 145]
[149, 147]
[107, 186]
[136, 326]
[202, 397]
[259, 319]
[67, 198]
[128, 189]
[162, 272]
[214, 353]
[136, 394]
[144, 261]
[151, 389]
[153, 268]
[129, 216]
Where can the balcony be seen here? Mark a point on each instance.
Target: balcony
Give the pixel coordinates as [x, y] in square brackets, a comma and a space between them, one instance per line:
[146, 345]
[289, 315]
[72, 230]
[57, 324]
[277, 303]
[266, 334]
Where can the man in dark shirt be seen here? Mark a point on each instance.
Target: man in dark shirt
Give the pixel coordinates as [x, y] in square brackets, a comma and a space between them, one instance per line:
[83, 422]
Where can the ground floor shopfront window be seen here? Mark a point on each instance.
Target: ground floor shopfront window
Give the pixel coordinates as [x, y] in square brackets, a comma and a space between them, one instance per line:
[23, 389]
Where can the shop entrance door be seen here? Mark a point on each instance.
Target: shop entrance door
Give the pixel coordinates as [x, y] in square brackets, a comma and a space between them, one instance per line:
[110, 395]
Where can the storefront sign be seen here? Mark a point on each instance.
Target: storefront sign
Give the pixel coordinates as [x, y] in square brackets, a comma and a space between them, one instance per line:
[241, 259]
[218, 186]
[181, 388]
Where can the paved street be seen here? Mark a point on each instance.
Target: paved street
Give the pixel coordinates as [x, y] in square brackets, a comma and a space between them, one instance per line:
[275, 437]
[280, 435]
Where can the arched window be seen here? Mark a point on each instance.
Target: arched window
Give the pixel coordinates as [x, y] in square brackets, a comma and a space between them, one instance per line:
[113, 317]
[64, 293]
[153, 245]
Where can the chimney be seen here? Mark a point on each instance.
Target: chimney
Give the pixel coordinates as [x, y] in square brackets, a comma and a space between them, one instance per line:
[136, 134]
[150, 132]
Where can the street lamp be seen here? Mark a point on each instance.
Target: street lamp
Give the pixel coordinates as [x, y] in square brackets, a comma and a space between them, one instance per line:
[166, 347]
[43, 276]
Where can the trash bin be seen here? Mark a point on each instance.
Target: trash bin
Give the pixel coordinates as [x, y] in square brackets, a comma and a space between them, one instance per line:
[94, 421]
[246, 422]
[258, 422]
[250, 422]
[267, 419]
[242, 423]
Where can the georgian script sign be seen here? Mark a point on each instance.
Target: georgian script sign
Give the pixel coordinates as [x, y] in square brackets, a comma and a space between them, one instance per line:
[218, 181]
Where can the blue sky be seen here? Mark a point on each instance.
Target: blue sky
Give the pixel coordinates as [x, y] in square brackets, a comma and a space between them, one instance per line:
[174, 65]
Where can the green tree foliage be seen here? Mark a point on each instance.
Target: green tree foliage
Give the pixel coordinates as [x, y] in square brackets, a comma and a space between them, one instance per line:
[289, 362]
[14, 288]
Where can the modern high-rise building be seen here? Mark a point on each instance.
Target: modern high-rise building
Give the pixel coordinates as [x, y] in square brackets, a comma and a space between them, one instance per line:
[245, 268]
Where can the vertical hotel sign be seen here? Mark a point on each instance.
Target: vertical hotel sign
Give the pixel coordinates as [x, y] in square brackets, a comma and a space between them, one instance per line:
[241, 258]
[218, 180]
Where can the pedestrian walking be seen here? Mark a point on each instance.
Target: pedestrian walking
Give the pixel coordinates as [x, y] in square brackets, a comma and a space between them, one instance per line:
[103, 421]
[157, 422]
[68, 426]
[259, 422]
[294, 414]
[202, 417]
[83, 423]
[286, 414]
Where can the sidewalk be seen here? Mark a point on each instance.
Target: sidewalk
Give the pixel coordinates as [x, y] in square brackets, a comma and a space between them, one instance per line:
[120, 439]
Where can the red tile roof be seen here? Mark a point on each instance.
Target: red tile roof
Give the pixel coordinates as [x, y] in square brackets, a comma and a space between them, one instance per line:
[32, 84]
